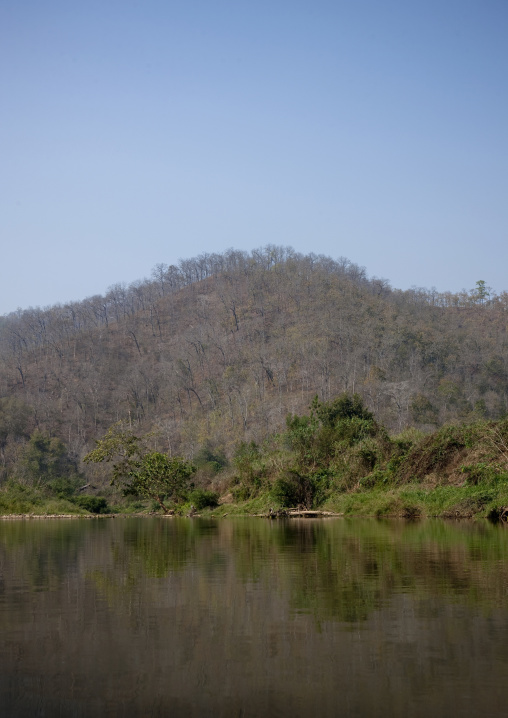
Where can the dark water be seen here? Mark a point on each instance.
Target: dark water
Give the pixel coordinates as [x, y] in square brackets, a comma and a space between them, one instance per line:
[170, 617]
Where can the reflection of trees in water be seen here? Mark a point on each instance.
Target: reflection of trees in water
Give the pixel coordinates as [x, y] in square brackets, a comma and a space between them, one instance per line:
[147, 549]
[157, 547]
[335, 570]
[357, 566]
[343, 570]
[42, 552]
[176, 617]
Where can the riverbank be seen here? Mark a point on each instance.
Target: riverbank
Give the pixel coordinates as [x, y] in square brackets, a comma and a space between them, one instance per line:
[411, 501]
[348, 466]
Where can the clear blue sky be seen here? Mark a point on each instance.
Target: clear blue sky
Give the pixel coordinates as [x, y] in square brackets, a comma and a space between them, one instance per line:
[133, 133]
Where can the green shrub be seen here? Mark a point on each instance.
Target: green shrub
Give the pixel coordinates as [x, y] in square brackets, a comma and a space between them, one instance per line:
[241, 492]
[294, 489]
[246, 460]
[44, 459]
[286, 492]
[482, 473]
[433, 453]
[368, 455]
[210, 459]
[63, 487]
[378, 477]
[93, 504]
[201, 499]
[300, 432]
[343, 407]
[355, 429]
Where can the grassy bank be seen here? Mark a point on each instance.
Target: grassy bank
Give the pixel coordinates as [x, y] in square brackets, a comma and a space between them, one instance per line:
[411, 502]
[339, 458]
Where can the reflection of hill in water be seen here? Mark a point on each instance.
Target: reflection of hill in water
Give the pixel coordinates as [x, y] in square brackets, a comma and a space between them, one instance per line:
[176, 617]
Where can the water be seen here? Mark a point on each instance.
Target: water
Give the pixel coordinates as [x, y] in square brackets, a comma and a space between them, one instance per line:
[248, 617]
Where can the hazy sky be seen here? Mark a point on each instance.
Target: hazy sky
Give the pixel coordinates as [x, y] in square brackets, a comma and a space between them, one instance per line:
[133, 133]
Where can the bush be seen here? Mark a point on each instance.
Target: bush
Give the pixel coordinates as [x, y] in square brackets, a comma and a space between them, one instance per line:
[378, 477]
[63, 487]
[201, 499]
[368, 455]
[246, 460]
[210, 459]
[294, 489]
[241, 492]
[93, 504]
[352, 431]
[285, 492]
[482, 473]
[433, 453]
[343, 407]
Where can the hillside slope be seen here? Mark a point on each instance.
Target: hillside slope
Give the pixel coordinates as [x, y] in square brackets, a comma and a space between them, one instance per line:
[221, 348]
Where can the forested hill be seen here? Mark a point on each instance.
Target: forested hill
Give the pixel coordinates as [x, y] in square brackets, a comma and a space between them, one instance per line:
[222, 347]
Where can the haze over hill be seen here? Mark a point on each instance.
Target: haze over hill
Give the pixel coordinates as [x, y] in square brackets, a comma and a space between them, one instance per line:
[220, 348]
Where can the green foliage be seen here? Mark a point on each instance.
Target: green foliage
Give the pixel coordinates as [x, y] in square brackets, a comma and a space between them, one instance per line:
[340, 440]
[292, 489]
[45, 460]
[483, 473]
[93, 504]
[120, 445]
[403, 442]
[341, 449]
[343, 407]
[351, 430]
[378, 477]
[64, 487]
[481, 293]
[211, 460]
[300, 432]
[286, 492]
[159, 477]
[246, 455]
[202, 499]
[250, 471]
[369, 455]
[433, 453]
[139, 472]
[45, 478]
[331, 428]
[243, 492]
[21, 498]
[18, 498]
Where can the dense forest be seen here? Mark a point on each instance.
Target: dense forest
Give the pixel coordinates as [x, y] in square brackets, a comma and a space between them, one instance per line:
[215, 353]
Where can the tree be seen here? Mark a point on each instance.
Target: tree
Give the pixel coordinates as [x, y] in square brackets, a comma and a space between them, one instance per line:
[482, 292]
[139, 472]
[160, 477]
[343, 407]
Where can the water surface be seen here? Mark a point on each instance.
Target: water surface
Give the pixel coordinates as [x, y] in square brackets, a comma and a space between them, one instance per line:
[181, 617]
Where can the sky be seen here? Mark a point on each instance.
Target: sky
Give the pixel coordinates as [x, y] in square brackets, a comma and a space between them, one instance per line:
[136, 133]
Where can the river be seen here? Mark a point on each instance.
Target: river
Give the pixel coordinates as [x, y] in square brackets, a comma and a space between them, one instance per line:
[251, 617]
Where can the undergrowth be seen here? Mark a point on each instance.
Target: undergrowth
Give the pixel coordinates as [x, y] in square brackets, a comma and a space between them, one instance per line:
[338, 457]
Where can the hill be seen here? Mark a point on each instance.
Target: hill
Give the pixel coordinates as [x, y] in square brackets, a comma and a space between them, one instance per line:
[221, 348]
